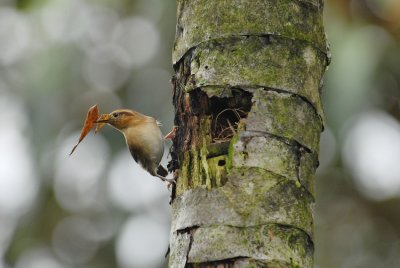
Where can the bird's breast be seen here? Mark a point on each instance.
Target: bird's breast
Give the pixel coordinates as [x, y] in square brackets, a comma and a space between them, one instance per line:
[145, 144]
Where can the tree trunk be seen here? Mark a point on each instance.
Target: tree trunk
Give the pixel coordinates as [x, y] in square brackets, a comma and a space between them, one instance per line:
[249, 116]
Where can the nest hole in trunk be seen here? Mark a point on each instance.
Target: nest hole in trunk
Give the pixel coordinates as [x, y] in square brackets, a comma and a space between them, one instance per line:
[226, 114]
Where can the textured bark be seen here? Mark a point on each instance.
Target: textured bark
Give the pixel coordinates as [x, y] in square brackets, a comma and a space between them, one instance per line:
[249, 116]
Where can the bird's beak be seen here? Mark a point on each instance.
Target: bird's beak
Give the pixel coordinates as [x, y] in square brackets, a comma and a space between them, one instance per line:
[104, 118]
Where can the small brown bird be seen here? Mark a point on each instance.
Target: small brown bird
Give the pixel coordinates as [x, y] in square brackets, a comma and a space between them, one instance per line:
[143, 137]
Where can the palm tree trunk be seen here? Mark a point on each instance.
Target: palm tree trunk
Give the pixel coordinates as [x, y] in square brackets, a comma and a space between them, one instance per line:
[249, 115]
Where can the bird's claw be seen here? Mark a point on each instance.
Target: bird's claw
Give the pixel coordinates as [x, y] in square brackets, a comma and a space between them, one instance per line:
[168, 184]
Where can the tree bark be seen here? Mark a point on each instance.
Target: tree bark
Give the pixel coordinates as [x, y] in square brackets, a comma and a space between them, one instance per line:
[247, 105]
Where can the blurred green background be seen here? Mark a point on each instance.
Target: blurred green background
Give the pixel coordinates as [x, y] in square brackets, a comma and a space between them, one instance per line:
[97, 208]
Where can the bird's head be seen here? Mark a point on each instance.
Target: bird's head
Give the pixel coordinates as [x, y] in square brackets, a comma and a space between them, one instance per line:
[122, 119]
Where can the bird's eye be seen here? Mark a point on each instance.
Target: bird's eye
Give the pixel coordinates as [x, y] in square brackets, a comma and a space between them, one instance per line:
[115, 115]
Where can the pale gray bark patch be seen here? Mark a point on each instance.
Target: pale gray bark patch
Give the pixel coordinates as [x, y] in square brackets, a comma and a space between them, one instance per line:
[264, 242]
[297, 20]
[179, 253]
[202, 207]
[255, 149]
[285, 115]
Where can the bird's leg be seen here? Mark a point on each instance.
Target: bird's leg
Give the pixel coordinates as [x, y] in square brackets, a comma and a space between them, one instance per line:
[167, 181]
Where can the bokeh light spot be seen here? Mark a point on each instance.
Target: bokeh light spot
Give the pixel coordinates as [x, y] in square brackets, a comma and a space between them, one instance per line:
[103, 71]
[39, 257]
[138, 40]
[130, 186]
[142, 243]
[371, 150]
[18, 179]
[15, 35]
[77, 176]
[72, 240]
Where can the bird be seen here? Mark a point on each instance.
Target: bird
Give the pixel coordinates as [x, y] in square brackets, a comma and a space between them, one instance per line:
[143, 137]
